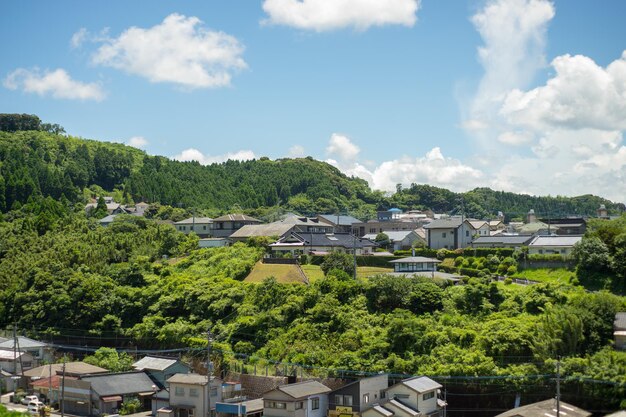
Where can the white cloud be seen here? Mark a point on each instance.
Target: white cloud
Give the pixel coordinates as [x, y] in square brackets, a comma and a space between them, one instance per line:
[580, 95]
[514, 35]
[78, 38]
[57, 83]
[515, 138]
[473, 125]
[343, 147]
[179, 50]
[296, 151]
[324, 15]
[193, 154]
[137, 141]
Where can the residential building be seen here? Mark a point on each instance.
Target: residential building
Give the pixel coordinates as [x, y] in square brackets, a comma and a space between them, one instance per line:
[389, 215]
[190, 395]
[450, 233]
[273, 230]
[502, 241]
[340, 223]
[415, 264]
[413, 397]
[244, 408]
[160, 369]
[201, 226]
[619, 331]
[302, 399]
[536, 228]
[15, 362]
[46, 379]
[567, 225]
[602, 212]
[357, 396]
[481, 228]
[108, 391]
[321, 243]
[307, 224]
[553, 245]
[398, 240]
[377, 226]
[38, 350]
[545, 408]
[107, 220]
[226, 225]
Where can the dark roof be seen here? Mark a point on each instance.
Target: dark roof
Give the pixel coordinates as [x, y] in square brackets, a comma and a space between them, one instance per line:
[620, 321]
[236, 218]
[343, 220]
[196, 220]
[451, 223]
[122, 383]
[505, 240]
[567, 221]
[344, 240]
[543, 408]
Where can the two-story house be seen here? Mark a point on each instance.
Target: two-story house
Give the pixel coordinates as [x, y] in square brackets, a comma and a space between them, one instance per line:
[191, 396]
[355, 397]
[413, 397]
[38, 350]
[160, 369]
[226, 225]
[202, 226]
[302, 399]
[450, 233]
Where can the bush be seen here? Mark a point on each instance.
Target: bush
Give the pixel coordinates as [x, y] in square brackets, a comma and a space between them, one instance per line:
[512, 270]
[130, 406]
[508, 281]
[458, 261]
[338, 260]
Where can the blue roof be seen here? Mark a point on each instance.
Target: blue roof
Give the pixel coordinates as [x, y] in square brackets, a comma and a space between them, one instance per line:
[395, 209]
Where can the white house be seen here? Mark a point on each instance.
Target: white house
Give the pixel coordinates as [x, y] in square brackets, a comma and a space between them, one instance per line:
[190, 395]
[303, 399]
[399, 240]
[413, 397]
[553, 245]
[202, 226]
[450, 233]
[481, 228]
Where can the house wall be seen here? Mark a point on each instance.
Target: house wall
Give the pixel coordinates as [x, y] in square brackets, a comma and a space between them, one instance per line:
[199, 403]
[414, 267]
[198, 228]
[415, 400]
[15, 367]
[290, 410]
[441, 238]
[620, 342]
[160, 377]
[372, 386]
[550, 250]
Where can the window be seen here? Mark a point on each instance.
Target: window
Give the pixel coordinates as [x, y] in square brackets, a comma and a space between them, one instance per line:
[467, 233]
[299, 405]
[179, 392]
[338, 399]
[204, 227]
[315, 403]
[401, 396]
[443, 235]
[213, 392]
[275, 404]
[193, 392]
[428, 395]
[382, 394]
[366, 398]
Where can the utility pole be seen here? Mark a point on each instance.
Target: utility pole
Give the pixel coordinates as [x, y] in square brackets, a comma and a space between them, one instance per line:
[558, 387]
[62, 402]
[354, 255]
[209, 339]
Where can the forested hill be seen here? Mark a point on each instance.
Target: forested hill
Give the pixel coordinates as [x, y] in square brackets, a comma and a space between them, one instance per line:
[39, 163]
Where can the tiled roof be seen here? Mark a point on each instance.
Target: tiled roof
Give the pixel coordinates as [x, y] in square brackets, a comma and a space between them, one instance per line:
[122, 383]
[555, 240]
[22, 342]
[197, 220]
[152, 363]
[271, 229]
[505, 240]
[450, 223]
[543, 408]
[421, 384]
[414, 259]
[236, 218]
[304, 389]
[74, 368]
[343, 220]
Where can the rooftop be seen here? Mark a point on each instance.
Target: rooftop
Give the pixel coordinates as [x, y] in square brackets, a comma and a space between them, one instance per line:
[72, 368]
[196, 220]
[236, 218]
[394, 235]
[271, 229]
[508, 240]
[449, 223]
[191, 379]
[555, 240]
[152, 363]
[545, 408]
[304, 389]
[339, 220]
[421, 384]
[121, 383]
[416, 259]
[23, 343]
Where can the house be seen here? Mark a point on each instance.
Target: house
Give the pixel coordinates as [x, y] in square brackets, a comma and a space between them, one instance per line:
[481, 227]
[190, 395]
[536, 228]
[545, 408]
[307, 224]
[502, 241]
[355, 397]
[619, 331]
[399, 240]
[413, 397]
[106, 221]
[415, 264]
[302, 399]
[553, 245]
[140, 208]
[202, 226]
[567, 226]
[340, 223]
[275, 230]
[450, 233]
[111, 205]
[249, 408]
[213, 242]
[38, 350]
[160, 369]
[602, 212]
[388, 215]
[15, 362]
[321, 243]
[108, 391]
[46, 379]
[226, 225]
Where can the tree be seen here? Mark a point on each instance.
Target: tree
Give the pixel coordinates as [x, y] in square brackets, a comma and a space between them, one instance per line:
[110, 359]
[592, 254]
[382, 239]
[101, 209]
[338, 260]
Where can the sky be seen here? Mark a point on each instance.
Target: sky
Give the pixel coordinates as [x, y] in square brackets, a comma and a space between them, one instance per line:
[526, 96]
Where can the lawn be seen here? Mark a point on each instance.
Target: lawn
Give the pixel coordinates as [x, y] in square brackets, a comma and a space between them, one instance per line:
[314, 272]
[546, 275]
[283, 273]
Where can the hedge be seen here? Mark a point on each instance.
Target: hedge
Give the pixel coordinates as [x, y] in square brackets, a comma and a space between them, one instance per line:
[361, 260]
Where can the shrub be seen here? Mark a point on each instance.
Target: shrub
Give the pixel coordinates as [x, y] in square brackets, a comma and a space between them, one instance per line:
[508, 281]
[458, 261]
[511, 270]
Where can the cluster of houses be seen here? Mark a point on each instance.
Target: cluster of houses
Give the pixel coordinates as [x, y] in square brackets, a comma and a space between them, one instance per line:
[295, 234]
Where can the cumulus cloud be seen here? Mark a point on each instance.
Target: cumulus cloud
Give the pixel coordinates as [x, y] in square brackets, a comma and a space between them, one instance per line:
[78, 38]
[179, 50]
[514, 36]
[193, 154]
[341, 146]
[325, 15]
[580, 95]
[138, 142]
[296, 151]
[57, 83]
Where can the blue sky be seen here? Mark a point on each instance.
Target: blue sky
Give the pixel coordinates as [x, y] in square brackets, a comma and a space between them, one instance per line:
[395, 91]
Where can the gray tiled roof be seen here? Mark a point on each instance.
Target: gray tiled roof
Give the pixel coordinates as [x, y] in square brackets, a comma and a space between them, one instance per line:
[555, 240]
[343, 220]
[271, 229]
[620, 321]
[451, 223]
[506, 240]
[543, 408]
[421, 384]
[236, 218]
[156, 364]
[22, 342]
[197, 220]
[342, 240]
[304, 389]
[123, 383]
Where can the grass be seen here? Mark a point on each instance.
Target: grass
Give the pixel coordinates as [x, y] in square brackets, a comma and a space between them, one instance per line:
[561, 275]
[314, 272]
[283, 273]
